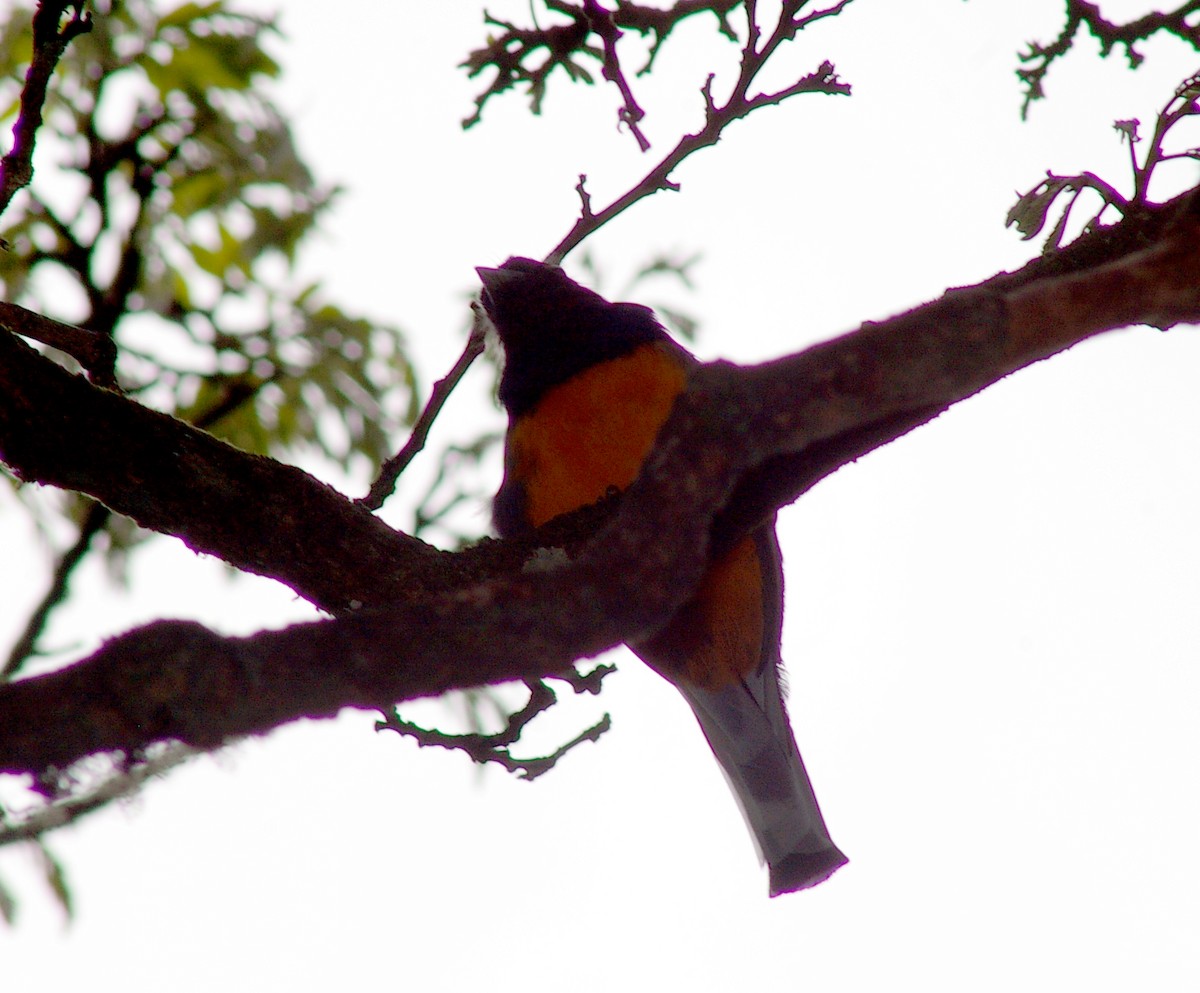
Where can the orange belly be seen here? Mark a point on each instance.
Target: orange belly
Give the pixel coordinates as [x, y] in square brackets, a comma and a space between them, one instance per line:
[592, 433]
[717, 636]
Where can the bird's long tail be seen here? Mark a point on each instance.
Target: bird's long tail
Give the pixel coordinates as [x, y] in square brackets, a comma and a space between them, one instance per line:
[747, 726]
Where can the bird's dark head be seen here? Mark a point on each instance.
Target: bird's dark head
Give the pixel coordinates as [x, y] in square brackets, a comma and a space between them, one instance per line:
[524, 298]
[552, 328]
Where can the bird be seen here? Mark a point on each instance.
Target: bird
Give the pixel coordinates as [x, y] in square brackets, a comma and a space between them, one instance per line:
[586, 385]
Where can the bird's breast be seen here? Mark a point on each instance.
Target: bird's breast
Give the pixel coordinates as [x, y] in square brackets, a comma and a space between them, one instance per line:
[592, 432]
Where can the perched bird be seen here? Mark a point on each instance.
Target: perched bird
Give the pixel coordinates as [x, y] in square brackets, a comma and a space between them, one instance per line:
[587, 384]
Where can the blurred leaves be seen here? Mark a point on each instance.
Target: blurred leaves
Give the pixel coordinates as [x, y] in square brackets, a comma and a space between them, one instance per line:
[8, 905]
[167, 210]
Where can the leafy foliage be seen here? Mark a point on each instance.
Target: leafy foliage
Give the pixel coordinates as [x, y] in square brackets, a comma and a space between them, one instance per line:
[169, 204]
[167, 210]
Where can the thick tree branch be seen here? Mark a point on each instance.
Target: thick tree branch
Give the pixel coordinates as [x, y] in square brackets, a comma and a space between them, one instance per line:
[257, 514]
[769, 431]
[97, 353]
[95, 519]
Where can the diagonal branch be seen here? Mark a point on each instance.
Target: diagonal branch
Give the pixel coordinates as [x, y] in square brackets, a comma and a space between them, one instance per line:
[756, 53]
[95, 519]
[180, 681]
[822, 80]
[394, 467]
[97, 353]
[257, 514]
[50, 40]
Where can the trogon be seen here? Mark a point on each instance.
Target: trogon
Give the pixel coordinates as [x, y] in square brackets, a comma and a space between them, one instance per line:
[586, 385]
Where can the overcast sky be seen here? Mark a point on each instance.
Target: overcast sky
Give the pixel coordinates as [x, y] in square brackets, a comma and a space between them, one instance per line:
[991, 630]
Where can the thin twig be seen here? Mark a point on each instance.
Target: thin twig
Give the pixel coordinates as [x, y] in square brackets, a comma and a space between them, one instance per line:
[391, 470]
[823, 80]
[49, 43]
[601, 22]
[495, 748]
[585, 198]
[1109, 34]
[1183, 103]
[586, 682]
[93, 523]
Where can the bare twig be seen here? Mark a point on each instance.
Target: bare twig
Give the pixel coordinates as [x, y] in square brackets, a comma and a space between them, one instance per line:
[391, 470]
[1185, 102]
[509, 53]
[50, 39]
[585, 682]
[513, 51]
[510, 56]
[94, 521]
[1080, 12]
[1031, 211]
[601, 22]
[495, 748]
[823, 80]
[585, 198]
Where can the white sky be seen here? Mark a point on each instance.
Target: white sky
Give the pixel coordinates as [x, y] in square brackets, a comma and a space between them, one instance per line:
[991, 633]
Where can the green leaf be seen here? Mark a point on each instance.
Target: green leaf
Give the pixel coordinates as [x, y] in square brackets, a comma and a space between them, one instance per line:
[56, 878]
[197, 191]
[210, 48]
[187, 14]
[1128, 130]
[1030, 210]
[230, 189]
[8, 905]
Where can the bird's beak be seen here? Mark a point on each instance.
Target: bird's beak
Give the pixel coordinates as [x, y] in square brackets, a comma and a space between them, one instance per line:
[493, 279]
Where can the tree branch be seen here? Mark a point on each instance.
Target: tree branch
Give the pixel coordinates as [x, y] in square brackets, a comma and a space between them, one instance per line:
[740, 104]
[50, 40]
[257, 514]
[483, 747]
[394, 467]
[446, 624]
[1080, 12]
[95, 519]
[97, 353]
